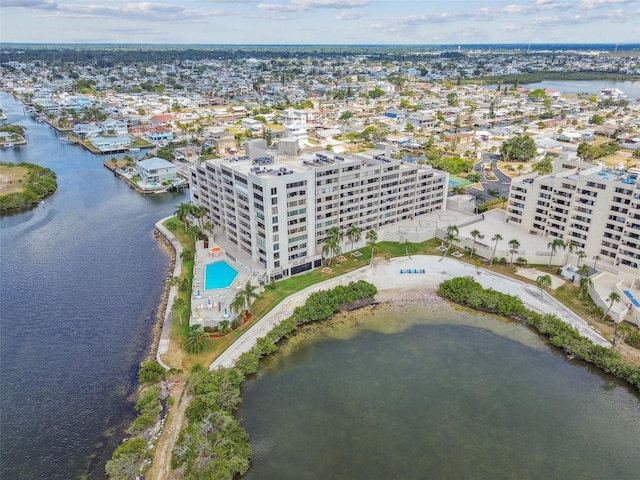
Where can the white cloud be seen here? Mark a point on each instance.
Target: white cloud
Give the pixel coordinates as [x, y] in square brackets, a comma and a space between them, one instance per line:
[37, 4]
[307, 4]
[349, 15]
[594, 4]
[139, 11]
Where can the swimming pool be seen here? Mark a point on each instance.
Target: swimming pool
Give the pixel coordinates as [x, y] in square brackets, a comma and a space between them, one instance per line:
[632, 298]
[219, 275]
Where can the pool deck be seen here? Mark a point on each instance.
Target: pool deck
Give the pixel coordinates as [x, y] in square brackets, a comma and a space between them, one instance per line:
[210, 307]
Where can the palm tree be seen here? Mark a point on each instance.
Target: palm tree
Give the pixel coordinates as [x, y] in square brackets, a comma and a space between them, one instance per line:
[208, 226]
[330, 249]
[237, 305]
[474, 234]
[178, 306]
[199, 212]
[543, 281]
[195, 340]
[595, 259]
[497, 237]
[613, 297]
[624, 328]
[337, 234]
[182, 213]
[570, 248]
[493, 193]
[513, 247]
[478, 198]
[407, 244]
[354, 233]
[581, 256]
[554, 246]
[585, 281]
[450, 237]
[248, 293]
[372, 239]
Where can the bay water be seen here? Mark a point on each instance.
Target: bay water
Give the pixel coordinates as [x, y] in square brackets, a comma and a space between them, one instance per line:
[437, 392]
[81, 276]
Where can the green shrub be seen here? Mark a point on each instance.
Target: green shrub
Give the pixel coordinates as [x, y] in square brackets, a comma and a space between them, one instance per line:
[150, 372]
[149, 409]
[466, 291]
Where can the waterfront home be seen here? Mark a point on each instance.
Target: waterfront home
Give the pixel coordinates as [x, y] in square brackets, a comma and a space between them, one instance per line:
[86, 130]
[156, 170]
[160, 134]
[112, 144]
[111, 126]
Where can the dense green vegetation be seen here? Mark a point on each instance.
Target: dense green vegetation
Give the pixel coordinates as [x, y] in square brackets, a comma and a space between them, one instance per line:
[518, 148]
[214, 445]
[592, 152]
[129, 460]
[535, 77]
[466, 291]
[39, 183]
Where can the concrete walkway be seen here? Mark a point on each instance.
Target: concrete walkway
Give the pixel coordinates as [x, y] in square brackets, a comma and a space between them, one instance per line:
[165, 334]
[387, 276]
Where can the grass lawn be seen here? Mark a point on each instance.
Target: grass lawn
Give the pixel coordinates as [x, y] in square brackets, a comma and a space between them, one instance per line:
[12, 179]
[274, 294]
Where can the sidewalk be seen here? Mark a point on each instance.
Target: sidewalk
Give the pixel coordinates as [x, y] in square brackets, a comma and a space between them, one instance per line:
[387, 276]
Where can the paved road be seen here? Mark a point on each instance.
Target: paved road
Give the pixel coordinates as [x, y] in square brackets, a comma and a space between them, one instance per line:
[501, 184]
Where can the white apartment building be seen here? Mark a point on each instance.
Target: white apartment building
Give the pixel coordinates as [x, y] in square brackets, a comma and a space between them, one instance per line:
[279, 210]
[596, 208]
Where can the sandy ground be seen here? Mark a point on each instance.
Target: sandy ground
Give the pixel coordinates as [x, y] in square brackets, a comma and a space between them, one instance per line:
[533, 274]
[161, 466]
[386, 276]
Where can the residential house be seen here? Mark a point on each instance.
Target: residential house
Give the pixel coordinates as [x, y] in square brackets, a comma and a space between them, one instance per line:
[156, 170]
[160, 134]
[86, 130]
[112, 144]
[111, 126]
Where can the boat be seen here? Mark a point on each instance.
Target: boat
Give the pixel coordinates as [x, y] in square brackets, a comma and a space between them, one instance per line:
[8, 145]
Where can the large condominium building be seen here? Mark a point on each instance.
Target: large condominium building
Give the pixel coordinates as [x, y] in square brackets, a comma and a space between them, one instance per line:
[279, 210]
[597, 209]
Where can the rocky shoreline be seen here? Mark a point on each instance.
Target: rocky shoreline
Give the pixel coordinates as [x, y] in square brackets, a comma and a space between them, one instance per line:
[166, 246]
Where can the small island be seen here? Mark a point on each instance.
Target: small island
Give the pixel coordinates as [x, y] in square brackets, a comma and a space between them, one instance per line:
[24, 185]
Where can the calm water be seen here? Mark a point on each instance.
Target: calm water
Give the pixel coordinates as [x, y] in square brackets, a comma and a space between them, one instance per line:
[434, 393]
[630, 89]
[80, 279]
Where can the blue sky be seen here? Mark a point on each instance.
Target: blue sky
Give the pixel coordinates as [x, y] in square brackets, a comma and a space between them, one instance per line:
[320, 21]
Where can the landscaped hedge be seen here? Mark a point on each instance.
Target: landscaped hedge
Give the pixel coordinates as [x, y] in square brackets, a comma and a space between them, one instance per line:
[214, 445]
[40, 183]
[467, 291]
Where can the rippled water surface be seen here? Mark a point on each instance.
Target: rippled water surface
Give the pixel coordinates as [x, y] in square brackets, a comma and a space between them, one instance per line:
[424, 392]
[80, 279]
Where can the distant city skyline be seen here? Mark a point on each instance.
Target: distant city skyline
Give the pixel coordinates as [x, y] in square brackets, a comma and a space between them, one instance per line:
[320, 21]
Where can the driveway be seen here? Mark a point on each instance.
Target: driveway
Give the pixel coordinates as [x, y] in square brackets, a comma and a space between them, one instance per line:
[501, 184]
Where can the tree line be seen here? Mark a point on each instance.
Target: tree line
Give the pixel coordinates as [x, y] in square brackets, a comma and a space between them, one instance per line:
[467, 291]
[39, 183]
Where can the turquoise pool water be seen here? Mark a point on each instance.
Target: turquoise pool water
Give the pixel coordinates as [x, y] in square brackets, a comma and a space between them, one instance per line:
[458, 182]
[219, 275]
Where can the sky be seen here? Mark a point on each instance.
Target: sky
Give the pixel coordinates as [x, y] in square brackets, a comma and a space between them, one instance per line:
[320, 21]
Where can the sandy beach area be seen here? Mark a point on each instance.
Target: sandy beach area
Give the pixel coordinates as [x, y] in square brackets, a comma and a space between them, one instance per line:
[396, 285]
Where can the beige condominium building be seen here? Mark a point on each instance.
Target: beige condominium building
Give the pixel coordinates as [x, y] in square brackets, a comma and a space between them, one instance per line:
[279, 209]
[597, 208]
